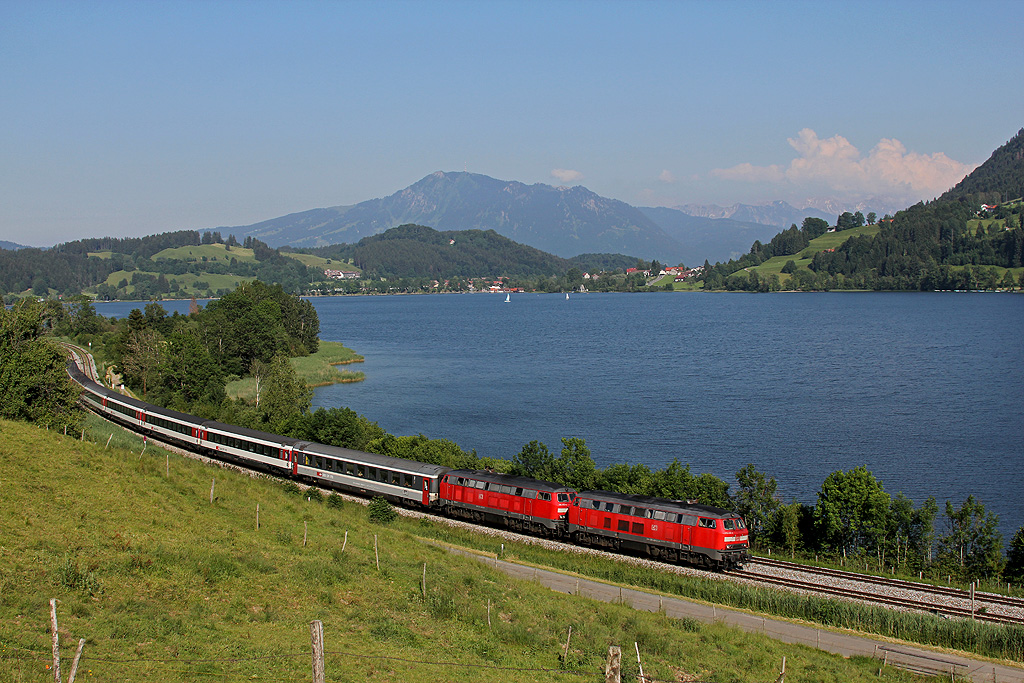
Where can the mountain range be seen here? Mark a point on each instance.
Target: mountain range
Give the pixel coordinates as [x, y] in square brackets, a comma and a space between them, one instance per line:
[565, 221]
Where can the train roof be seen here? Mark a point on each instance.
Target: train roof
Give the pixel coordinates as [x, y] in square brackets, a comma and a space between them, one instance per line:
[245, 431]
[513, 480]
[659, 503]
[373, 459]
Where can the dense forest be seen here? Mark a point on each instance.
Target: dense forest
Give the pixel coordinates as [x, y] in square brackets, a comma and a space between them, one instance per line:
[417, 252]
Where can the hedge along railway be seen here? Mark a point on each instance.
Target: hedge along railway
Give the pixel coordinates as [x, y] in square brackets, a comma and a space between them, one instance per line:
[423, 490]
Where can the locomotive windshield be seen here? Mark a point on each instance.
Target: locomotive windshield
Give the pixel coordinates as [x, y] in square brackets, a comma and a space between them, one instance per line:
[563, 497]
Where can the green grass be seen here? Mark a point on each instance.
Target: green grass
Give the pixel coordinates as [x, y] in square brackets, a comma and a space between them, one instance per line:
[316, 370]
[211, 252]
[166, 586]
[318, 262]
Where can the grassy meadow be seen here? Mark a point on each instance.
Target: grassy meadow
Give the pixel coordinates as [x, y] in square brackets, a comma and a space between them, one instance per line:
[316, 370]
[166, 585]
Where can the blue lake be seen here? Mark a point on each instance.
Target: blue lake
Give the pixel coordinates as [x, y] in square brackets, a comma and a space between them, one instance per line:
[926, 390]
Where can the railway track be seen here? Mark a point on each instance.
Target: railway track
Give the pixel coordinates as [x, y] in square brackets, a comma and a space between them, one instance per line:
[875, 597]
[902, 584]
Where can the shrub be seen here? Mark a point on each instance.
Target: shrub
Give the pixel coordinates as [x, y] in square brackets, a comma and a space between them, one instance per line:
[381, 511]
[313, 494]
[335, 501]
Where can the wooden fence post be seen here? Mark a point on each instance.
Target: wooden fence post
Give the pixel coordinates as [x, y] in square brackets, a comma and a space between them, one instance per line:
[212, 484]
[74, 664]
[565, 652]
[56, 640]
[488, 612]
[613, 668]
[782, 674]
[257, 516]
[345, 543]
[375, 553]
[316, 631]
[305, 532]
[641, 678]
[425, 587]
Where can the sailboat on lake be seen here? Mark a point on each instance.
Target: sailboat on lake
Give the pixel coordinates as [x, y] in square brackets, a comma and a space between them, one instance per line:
[507, 299]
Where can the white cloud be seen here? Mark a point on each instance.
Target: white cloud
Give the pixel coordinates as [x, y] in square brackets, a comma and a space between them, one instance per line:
[565, 175]
[836, 165]
[666, 176]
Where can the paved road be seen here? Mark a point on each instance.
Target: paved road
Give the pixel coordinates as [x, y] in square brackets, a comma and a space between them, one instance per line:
[904, 656]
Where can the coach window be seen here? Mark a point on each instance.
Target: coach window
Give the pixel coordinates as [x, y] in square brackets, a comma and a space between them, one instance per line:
[407, 480]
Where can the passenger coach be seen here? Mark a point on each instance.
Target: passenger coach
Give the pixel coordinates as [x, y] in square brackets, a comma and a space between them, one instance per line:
[404, 481]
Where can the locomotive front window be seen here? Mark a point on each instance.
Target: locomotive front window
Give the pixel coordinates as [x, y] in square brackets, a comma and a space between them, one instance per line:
[729, 523]
[563, 497]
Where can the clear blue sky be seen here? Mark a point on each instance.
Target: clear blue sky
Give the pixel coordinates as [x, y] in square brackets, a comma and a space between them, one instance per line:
[141, 117]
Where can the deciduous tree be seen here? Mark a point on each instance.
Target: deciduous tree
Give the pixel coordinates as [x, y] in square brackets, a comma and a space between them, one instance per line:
[756, 500]
[34, 384]
[851, 511]
[972, 546]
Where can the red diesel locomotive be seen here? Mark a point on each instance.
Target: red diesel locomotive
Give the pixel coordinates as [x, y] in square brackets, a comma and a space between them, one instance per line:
[519, 503]
[671, 530]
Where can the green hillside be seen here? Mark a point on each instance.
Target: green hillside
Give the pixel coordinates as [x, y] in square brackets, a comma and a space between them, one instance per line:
[165, 585]
[206, 253]
[829, 240]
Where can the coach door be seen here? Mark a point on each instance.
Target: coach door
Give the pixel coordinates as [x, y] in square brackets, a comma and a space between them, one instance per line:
[426, 491]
